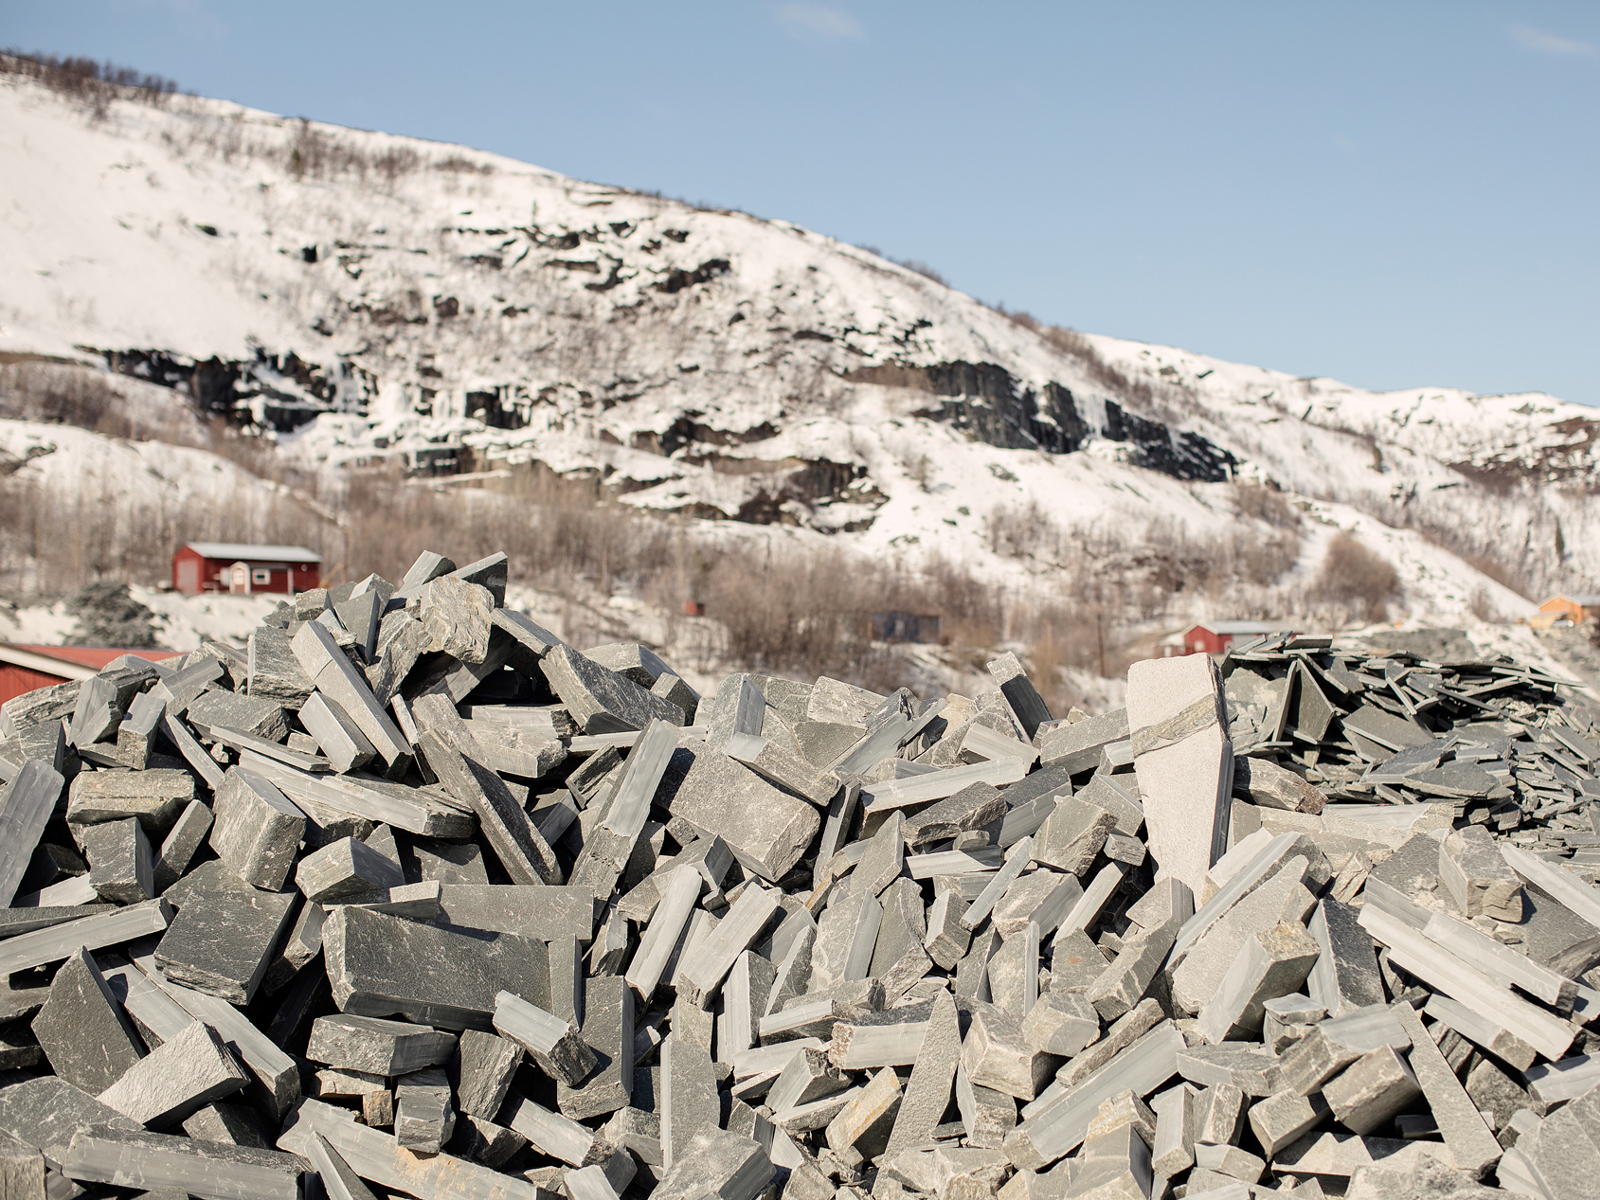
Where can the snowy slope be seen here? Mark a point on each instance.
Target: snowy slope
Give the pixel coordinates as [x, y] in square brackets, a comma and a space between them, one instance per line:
[366, 296]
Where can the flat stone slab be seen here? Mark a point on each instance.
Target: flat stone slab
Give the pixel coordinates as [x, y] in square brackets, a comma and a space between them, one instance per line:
[222, 942]
[382, 966]
[82, 1028]
[377, 1046]
[1178, 722]
[155, 796]
[767, 829]
[176, 1079]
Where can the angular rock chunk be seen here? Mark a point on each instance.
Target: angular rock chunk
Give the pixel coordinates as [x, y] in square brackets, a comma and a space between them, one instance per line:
[256, 830]
[1346, 975]
[1368, 1093]
[973, 807]
[1077, 747]
[608, 1032]
[717, 1165]
[334, 675]
[155, 796]
[927, 1092]
[1477, 877]
[485, 1064]
[423, 1118]
[864, 1125]
[1061, 1023]
[83, 1030]
[338, 737]
[1273, 962]
[376, 1156]
[783, 768]
[221, 942]
[251, 715]
[119, 861]
[689, 1106]
[346, 872]
[602, 701]
[554, 1044]
[338, 1180]
[455, 617]
[997, 1055]
[176, 1079]
[181, 845]
[376, 1046]
[1178, 722]
[1026, 704]
[380, 965]
[1270, 786]
[767, 829]
[522, 850]
[25, 807]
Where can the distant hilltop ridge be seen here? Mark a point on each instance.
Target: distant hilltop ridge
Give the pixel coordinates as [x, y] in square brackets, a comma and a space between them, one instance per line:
[367, 297]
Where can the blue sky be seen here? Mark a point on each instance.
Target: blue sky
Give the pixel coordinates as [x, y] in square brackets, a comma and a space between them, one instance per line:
[1389, 194]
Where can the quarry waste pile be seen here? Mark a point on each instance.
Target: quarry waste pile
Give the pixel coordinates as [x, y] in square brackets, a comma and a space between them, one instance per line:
[412, 897]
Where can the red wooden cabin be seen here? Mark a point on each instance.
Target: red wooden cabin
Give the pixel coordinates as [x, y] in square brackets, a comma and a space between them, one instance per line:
[235, 567]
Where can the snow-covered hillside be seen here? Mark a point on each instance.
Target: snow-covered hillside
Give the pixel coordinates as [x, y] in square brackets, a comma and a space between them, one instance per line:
[363, 296]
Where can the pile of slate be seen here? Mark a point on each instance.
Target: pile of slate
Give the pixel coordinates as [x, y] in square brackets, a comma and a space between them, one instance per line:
[410, 897]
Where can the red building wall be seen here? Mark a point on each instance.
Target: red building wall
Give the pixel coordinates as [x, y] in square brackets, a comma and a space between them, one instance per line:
[192, 574]
[15, 680]
[1200, 640]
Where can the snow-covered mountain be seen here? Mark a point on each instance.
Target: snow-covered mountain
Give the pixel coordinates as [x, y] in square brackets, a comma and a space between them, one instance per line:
[364, 296]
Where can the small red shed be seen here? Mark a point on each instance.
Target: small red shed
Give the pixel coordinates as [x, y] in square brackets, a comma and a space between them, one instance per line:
[24, 668]
[235, 567]
[1214, 637]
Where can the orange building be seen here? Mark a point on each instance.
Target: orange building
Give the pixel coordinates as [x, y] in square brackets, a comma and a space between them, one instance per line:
[1577, 608]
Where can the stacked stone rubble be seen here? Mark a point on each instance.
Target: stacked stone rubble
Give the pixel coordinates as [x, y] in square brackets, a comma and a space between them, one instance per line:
[409, 894]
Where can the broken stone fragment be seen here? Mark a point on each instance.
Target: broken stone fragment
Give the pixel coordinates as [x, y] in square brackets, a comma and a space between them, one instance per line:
[603, 701]
[1061, 1023]
[1178, 723]
[455, 617]
[423, 1117]
[120, 869]
[346, 872]
[155, 796]
[1368, 1093]
[221, 942]
[1272, 962]
[375, 1046]
[380, 965]
[1073, 834]
[256, 830]
[767, 829]
[1270, 786]
[997, 1055]
[484, 1068]
[554, 1044]
[1477, 877]
[82, 1029]
[176, 1079]
[865, 1123]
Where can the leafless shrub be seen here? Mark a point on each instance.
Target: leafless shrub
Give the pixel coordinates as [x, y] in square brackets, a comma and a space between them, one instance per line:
[463, 166]
[58, 393]
[1482, 607]
[1358, 577]
[92, 84]
[1023, 531]
[1265, 502]
[921, 268]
